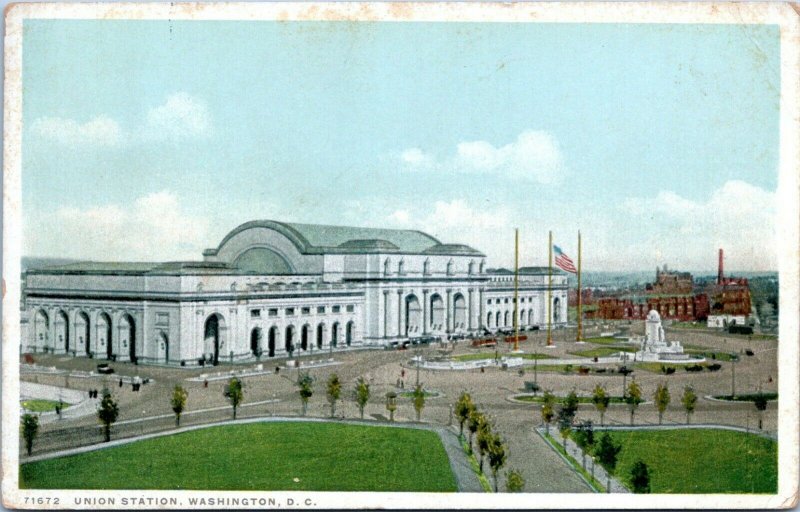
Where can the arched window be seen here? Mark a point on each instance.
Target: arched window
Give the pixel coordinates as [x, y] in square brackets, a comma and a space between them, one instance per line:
[426, 267]
[482, 266]
[450, 268]
[401, 268]
[471, 267]
[386, 270]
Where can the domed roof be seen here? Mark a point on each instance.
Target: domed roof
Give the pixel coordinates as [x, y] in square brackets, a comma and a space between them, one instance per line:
[653, 316]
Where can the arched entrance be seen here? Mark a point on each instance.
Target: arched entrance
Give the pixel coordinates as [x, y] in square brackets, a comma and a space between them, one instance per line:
[335, 334]
[62, 331]
[459, 312]
[497, 319]
[163, 347]
[348, 333]
[255, 342]
[437, 312]
[272, 340]
[41, 329]
[83, 331]
[556, 310]
[127, 336]
[413, 315]
[213, 337]
[289, 340]
[104, 334]
[489, 320]
[523, 317]
[304, 337]
[320, 335]
[505, 320]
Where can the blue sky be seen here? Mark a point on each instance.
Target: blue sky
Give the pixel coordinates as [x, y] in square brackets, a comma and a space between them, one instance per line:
[149, 140]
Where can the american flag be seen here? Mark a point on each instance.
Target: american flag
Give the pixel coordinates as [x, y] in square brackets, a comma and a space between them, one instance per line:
[563, 262]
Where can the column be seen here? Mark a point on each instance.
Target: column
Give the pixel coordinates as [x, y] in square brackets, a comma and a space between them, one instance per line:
[424, 311]
[481, 308]
[470, 310]
[400, 332]
[386, 313]
[448, 319]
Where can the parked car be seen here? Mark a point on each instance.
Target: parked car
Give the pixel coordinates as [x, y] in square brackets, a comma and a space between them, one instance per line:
[104, 369]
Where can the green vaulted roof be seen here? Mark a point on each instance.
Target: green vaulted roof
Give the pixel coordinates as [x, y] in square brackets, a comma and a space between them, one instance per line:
[322, 239]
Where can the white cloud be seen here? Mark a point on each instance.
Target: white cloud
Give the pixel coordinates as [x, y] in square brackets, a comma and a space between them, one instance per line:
[153, 228]
[535, 155]
[101, 131]
[738, 217]
[181, 116]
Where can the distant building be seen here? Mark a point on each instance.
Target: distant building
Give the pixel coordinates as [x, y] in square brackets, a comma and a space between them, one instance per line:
[670, 282]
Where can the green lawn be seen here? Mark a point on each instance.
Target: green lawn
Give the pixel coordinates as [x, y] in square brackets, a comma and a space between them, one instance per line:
[701, 460]
[601, 351]
[710, 354]
[259, 456]
[603, 340]
[41, 405]
[490, 355]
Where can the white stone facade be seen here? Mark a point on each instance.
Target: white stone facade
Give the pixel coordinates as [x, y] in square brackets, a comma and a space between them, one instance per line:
[272, 288]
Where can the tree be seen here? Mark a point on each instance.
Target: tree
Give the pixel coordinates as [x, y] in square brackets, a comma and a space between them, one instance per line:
[418, 397]
[484, 438]
[607, 452]
[564, 428]
[474, 422]
[640, 477]
[391, 404]
[107, 413]
[601, 400]
[29, 424]
[548, 400]
[569, 406]
[334, 392]
[464, 407]
[584, 438]
[760, 401]
[661, 399]
[633, 397]
[514, 481]
[235, 393]
[305, 385]
[689, 401]
[362, 395]
[179, 396]
[497, 457]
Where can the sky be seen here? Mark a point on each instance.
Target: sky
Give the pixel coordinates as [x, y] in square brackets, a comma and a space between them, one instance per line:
[150, 140]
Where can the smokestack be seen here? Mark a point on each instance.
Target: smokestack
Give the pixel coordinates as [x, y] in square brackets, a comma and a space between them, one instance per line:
[720, 272]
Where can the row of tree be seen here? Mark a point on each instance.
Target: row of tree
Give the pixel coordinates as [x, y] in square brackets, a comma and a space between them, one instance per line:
[489, 443]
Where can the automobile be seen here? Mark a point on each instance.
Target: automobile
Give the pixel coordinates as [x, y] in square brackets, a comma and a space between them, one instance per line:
[104, 369]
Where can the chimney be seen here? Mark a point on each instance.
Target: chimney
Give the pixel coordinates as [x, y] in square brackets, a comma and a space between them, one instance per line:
[720, 272]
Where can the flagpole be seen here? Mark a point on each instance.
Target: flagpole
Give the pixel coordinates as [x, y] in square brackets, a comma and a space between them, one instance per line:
[516, 289]
[549, 290]
[580, 298]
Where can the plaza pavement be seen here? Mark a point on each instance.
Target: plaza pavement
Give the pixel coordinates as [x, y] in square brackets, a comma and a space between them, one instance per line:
[275, 394]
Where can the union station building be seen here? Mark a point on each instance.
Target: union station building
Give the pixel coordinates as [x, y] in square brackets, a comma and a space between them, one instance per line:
[272, 289]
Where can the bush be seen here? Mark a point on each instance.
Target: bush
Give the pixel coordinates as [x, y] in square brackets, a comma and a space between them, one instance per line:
[532, 387]
[640, 478]
[714, 367]
[693, 368]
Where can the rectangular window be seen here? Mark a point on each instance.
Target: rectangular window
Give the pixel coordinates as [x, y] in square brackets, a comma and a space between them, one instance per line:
[320, 309]
[306, 311]
[336, 309]
[162, 318]
[255, 313]
[289, 311]
[273, 312]
[350, 308]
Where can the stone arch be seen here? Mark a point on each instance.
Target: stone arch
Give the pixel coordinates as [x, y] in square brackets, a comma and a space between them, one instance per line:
[272, 341]
[426, 267]
[41, 329]
[489, 317]
[413, 315]
[162, 342]
[471, 269]
[305, 334]
[320, 334]
[497, 319]
[83, 332]
[348, 333]
[127, 336]
[256, 336]
[288, 341]
[104, 331]
[437, 312]
[214, 336]
[459, 311]
[62, 330]
[556, 310]
[523, 317]
[334, 334]
[505, 319]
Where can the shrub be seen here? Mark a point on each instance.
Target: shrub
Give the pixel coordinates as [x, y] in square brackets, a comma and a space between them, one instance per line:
[640, 478]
